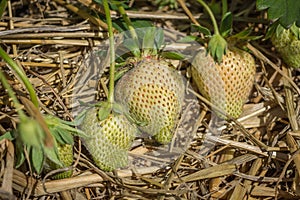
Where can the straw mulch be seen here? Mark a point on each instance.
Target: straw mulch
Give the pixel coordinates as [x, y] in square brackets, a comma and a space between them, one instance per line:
[255, 157]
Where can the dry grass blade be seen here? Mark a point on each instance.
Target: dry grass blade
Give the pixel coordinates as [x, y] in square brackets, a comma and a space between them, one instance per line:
[6, 190]
[210, 172]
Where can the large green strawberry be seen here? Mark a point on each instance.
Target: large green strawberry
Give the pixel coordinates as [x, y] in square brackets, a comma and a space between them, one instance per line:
[153, 93]
[287, 43]
[226, 84]
[108, 140]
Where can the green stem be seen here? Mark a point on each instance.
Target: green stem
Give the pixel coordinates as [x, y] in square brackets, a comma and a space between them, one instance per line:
[211, 15]
[111, 52]
[224, 7]
[128, 22]
[130, 27]
[3, 5]
[21, 75]
[12, 95]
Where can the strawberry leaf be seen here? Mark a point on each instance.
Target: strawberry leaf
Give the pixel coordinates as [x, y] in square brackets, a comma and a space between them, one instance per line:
[188, 38]
[217, 47]
[37, 158]
[8, 135]
[286, 12]
[226, 24]
[172, 55]
[20, 157]
[201, 29]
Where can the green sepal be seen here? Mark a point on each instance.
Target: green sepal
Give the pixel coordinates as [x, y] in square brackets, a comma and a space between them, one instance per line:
[52, 154]
[104, 110]
[148, 45]
[245, 35]
[53, 121]
[37, 158]
[217, 47]
[117, 108]
[132, 45]
[295, 30]
[62, 136]
[20, 157]
[31, 132]
[271, 30]
[159, 38]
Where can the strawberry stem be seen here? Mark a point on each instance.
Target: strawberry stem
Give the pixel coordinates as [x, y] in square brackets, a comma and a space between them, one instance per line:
[21, 75]
[12, 95]
[111, 53]
[211, 15]
[224, 7]
[130, 27]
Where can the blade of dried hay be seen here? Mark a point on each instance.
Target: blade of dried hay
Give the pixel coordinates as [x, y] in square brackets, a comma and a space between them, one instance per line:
[21, 182]
[211, 172]
[240, 190]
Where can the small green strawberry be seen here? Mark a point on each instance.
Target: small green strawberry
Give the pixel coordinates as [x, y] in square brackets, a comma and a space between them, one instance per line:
[226, 84]
[108, 140]
[287, 43]
[65, 155]
[153, 94]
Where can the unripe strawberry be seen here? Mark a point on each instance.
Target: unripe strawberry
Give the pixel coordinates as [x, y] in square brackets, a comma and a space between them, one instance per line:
[108, 140]
[287, 43]
[227, 84]
[153, 94]
[65, 155]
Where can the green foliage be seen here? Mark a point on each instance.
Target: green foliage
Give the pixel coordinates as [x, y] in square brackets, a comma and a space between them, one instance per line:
[162, 3]
[286, 12]
[113, 4]
[104, 110]
[217, 47]
[226, 24]
[246, 35]
[32, 141]
[201, 29]
[172, 55]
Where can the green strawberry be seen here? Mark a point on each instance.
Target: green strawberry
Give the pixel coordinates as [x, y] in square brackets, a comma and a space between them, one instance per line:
[65, 155]
[226, 84]
[153, 94]
[108, 140]
[287, 43]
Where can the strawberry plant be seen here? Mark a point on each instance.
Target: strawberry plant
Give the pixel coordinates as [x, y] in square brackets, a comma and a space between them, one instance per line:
[153, 91]
[43, 138]
[226, 84]
[225, 74]
[284, 31]
[110, 133]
